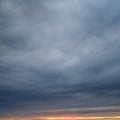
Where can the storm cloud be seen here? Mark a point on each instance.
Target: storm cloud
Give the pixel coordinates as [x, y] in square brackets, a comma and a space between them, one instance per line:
[58, 55]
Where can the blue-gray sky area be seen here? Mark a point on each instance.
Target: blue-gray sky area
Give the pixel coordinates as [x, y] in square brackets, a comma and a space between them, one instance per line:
[59, 56]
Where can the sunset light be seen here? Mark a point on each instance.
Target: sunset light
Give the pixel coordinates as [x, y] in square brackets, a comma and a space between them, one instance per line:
[83, 118]
[65, 118]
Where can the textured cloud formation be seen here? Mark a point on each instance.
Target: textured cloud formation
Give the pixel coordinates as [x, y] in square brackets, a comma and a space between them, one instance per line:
[58, 55]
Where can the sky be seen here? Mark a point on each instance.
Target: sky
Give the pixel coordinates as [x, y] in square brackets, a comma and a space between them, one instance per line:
[59, 57]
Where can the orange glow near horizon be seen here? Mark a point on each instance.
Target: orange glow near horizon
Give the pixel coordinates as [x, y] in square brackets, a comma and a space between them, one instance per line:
[65, 118]
[83, 118]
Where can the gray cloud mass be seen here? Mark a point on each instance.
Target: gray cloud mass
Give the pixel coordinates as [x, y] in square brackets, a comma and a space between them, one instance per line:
[59, 54]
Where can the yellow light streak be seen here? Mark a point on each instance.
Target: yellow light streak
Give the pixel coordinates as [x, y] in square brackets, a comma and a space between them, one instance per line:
[82, 118]
[66, 118]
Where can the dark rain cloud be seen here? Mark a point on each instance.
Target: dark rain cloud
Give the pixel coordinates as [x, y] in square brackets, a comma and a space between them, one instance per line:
[59, 55]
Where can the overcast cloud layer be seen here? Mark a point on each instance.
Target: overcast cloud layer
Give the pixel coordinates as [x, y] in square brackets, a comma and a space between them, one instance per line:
[58, 55]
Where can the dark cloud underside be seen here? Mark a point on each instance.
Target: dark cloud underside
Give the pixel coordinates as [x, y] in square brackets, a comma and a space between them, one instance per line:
[58, 55]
